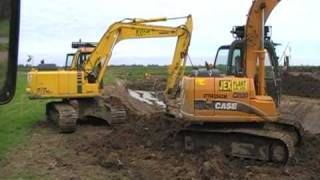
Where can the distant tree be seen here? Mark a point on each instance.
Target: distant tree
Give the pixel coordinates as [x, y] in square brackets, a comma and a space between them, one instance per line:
[152, 65]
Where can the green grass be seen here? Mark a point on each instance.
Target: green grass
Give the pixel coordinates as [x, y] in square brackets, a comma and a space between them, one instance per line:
[4, 28]
[4, 47]
[18, 117]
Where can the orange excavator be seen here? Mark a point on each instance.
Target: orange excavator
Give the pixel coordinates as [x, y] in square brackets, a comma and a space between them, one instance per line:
[234, 105]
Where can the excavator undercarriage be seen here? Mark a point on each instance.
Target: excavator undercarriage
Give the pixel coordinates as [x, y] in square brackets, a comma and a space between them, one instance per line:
[65, 113]
[270, 142]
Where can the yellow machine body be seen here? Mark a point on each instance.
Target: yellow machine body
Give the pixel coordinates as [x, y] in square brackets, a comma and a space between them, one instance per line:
[60, 84]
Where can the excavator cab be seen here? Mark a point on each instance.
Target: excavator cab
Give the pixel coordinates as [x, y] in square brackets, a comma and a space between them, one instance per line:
[76, 60]
[229, 60]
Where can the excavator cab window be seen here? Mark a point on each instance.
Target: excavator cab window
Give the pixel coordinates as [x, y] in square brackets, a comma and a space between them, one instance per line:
[82, 58]
[221, 59]
[69, 59]
[234, 67]
[230, 63]
[269, 72]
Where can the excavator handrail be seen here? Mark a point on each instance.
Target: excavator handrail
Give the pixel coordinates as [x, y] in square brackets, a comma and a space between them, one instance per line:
[138, 20]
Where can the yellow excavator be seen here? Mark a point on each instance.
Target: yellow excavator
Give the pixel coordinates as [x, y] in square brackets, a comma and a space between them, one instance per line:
[234, 106]
[79, 86]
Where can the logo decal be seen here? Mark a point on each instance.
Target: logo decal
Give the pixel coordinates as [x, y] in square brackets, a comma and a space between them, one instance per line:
[216, 105]
[200, 82]
[214, 96]
[233, 85]
[229, 106]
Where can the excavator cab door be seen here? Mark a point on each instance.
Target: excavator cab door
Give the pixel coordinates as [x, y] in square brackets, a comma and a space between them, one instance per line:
[221, 59]
[69, 59]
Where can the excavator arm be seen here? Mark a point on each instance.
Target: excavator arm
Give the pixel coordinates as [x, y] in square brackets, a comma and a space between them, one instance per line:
[255, 39]
[97, 64]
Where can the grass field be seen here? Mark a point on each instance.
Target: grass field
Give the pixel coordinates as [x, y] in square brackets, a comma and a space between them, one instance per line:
[4, 28]
[18, 117]
[4, 47]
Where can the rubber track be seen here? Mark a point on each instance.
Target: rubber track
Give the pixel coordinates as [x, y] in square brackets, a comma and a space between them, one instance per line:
[276, 135]
[117, 108]
[65, 116]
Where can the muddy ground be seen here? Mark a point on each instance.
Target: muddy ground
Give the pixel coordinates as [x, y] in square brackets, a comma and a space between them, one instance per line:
[143, 148]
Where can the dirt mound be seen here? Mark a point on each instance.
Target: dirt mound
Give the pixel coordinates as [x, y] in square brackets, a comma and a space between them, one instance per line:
[305, 109]
[154, 84]
[304, 84]
[133, 105]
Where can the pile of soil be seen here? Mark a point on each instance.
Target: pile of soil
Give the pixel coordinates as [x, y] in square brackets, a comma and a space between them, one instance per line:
[307, 110]
[304, 84]
[153, 84]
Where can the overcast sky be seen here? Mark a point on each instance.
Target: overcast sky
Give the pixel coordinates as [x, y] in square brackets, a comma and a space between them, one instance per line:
[49, 26]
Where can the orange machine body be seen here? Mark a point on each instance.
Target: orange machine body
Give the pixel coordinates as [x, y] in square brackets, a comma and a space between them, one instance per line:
[225, 99]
